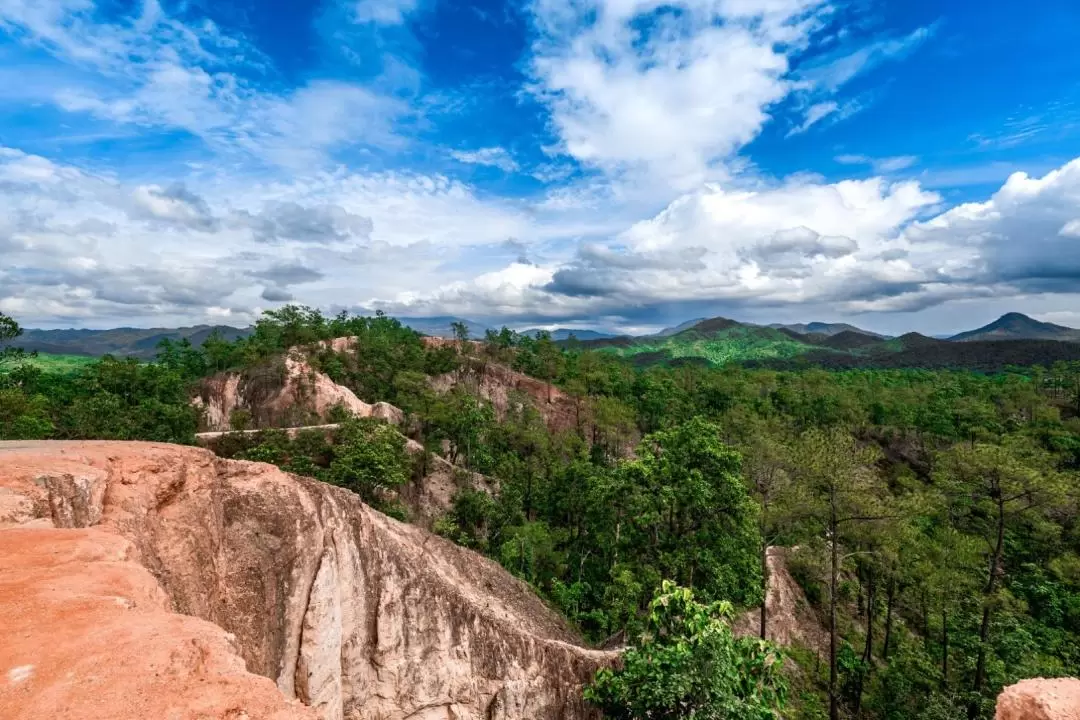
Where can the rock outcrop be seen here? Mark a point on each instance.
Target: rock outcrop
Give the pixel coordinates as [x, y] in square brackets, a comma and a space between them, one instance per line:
[1040, 699]
[286, 393]
[498, 384]
[790, 620]
[351, 612]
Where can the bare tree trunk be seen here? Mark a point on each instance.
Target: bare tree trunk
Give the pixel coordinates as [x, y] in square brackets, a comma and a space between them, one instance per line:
[868, 648]
[944, 647]
[834, 572]
[991, 587]
[890, 597]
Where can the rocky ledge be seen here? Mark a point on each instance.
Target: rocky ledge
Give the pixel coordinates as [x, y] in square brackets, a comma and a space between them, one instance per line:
[147, 580]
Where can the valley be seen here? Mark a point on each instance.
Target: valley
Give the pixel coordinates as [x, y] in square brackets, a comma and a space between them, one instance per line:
[594, 486]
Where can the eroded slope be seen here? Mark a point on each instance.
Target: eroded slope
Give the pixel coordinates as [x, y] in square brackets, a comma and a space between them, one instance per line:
[354, 613]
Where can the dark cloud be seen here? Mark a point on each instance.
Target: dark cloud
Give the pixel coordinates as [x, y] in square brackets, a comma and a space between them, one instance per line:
[319, 224]
[599, 270]
[273, 294]
[794, 246]
[177, 206]
[602, 257]
[285, 274]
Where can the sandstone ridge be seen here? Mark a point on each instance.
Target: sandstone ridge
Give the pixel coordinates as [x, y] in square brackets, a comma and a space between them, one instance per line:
[287, 393]
[175, 569]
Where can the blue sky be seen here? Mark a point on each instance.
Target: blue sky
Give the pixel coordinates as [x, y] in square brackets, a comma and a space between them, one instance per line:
[598, 163]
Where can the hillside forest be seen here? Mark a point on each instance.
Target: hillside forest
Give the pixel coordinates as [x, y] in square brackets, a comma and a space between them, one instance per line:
[929, 516]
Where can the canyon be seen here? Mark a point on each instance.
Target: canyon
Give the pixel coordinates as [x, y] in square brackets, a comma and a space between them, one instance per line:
[151, 580]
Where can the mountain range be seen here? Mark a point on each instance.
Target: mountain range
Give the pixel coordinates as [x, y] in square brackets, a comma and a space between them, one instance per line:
[1013, 340]
[715, 340]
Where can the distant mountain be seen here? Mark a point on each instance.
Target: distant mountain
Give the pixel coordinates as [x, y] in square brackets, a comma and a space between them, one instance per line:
[666, 332]
[820, 328]
[713, 341]
[125, 342]
[1016, 326]
[849, 340]
[712, 325]
[559, 334]
[439, 326]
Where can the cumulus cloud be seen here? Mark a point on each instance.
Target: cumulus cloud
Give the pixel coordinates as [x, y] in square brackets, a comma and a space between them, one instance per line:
[853, 246]
[283, 221]
[82, 248]
[667, 88]
[174, 205]
[1024, 235]
[793, 243]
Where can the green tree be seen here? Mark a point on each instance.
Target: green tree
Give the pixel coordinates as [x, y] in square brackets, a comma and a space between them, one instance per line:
[694, 521]
[843, 490]
[370, 459]
[687, 664]
[993, 487]
[9, 331]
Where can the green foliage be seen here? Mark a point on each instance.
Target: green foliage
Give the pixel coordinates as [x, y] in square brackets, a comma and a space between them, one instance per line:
[736, 344]
[687, 664]
[58, 364]
[9, 332]
[370, 459]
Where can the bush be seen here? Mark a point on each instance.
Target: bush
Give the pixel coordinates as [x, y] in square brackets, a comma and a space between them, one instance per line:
[687, 664]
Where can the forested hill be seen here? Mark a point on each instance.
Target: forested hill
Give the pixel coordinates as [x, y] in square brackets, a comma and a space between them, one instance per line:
[139, 343]
[719, 341]
[932, 516]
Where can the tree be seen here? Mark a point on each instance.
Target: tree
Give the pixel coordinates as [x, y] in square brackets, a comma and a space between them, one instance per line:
[370, 459]
[9, 331]
[993, 487]
[766, 463]
[461, 332]
[687, 664]
[839, 475]
[695, 522]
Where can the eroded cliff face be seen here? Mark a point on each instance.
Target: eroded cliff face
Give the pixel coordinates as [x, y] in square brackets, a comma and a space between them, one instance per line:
[353, 613]
[1040, 699]
[790, 620]
[284, 394]
[497, 384]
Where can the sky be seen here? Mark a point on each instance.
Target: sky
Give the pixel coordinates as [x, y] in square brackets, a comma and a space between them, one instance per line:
[617, 164]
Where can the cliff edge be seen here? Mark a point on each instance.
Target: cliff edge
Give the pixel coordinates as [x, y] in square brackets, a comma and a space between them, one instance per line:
[161, 581]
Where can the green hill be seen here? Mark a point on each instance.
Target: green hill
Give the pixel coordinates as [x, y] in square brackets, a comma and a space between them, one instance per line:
[717, 341]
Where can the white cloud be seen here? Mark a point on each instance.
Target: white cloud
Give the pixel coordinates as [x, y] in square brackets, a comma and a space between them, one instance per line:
[668, 89]
[1022, 236]
[881, 166]
[492, 156]
[815, 114]
[383, 12]
[793, 243]
[852, 246]
[837, 70]
[81, 248]
[156, 71]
